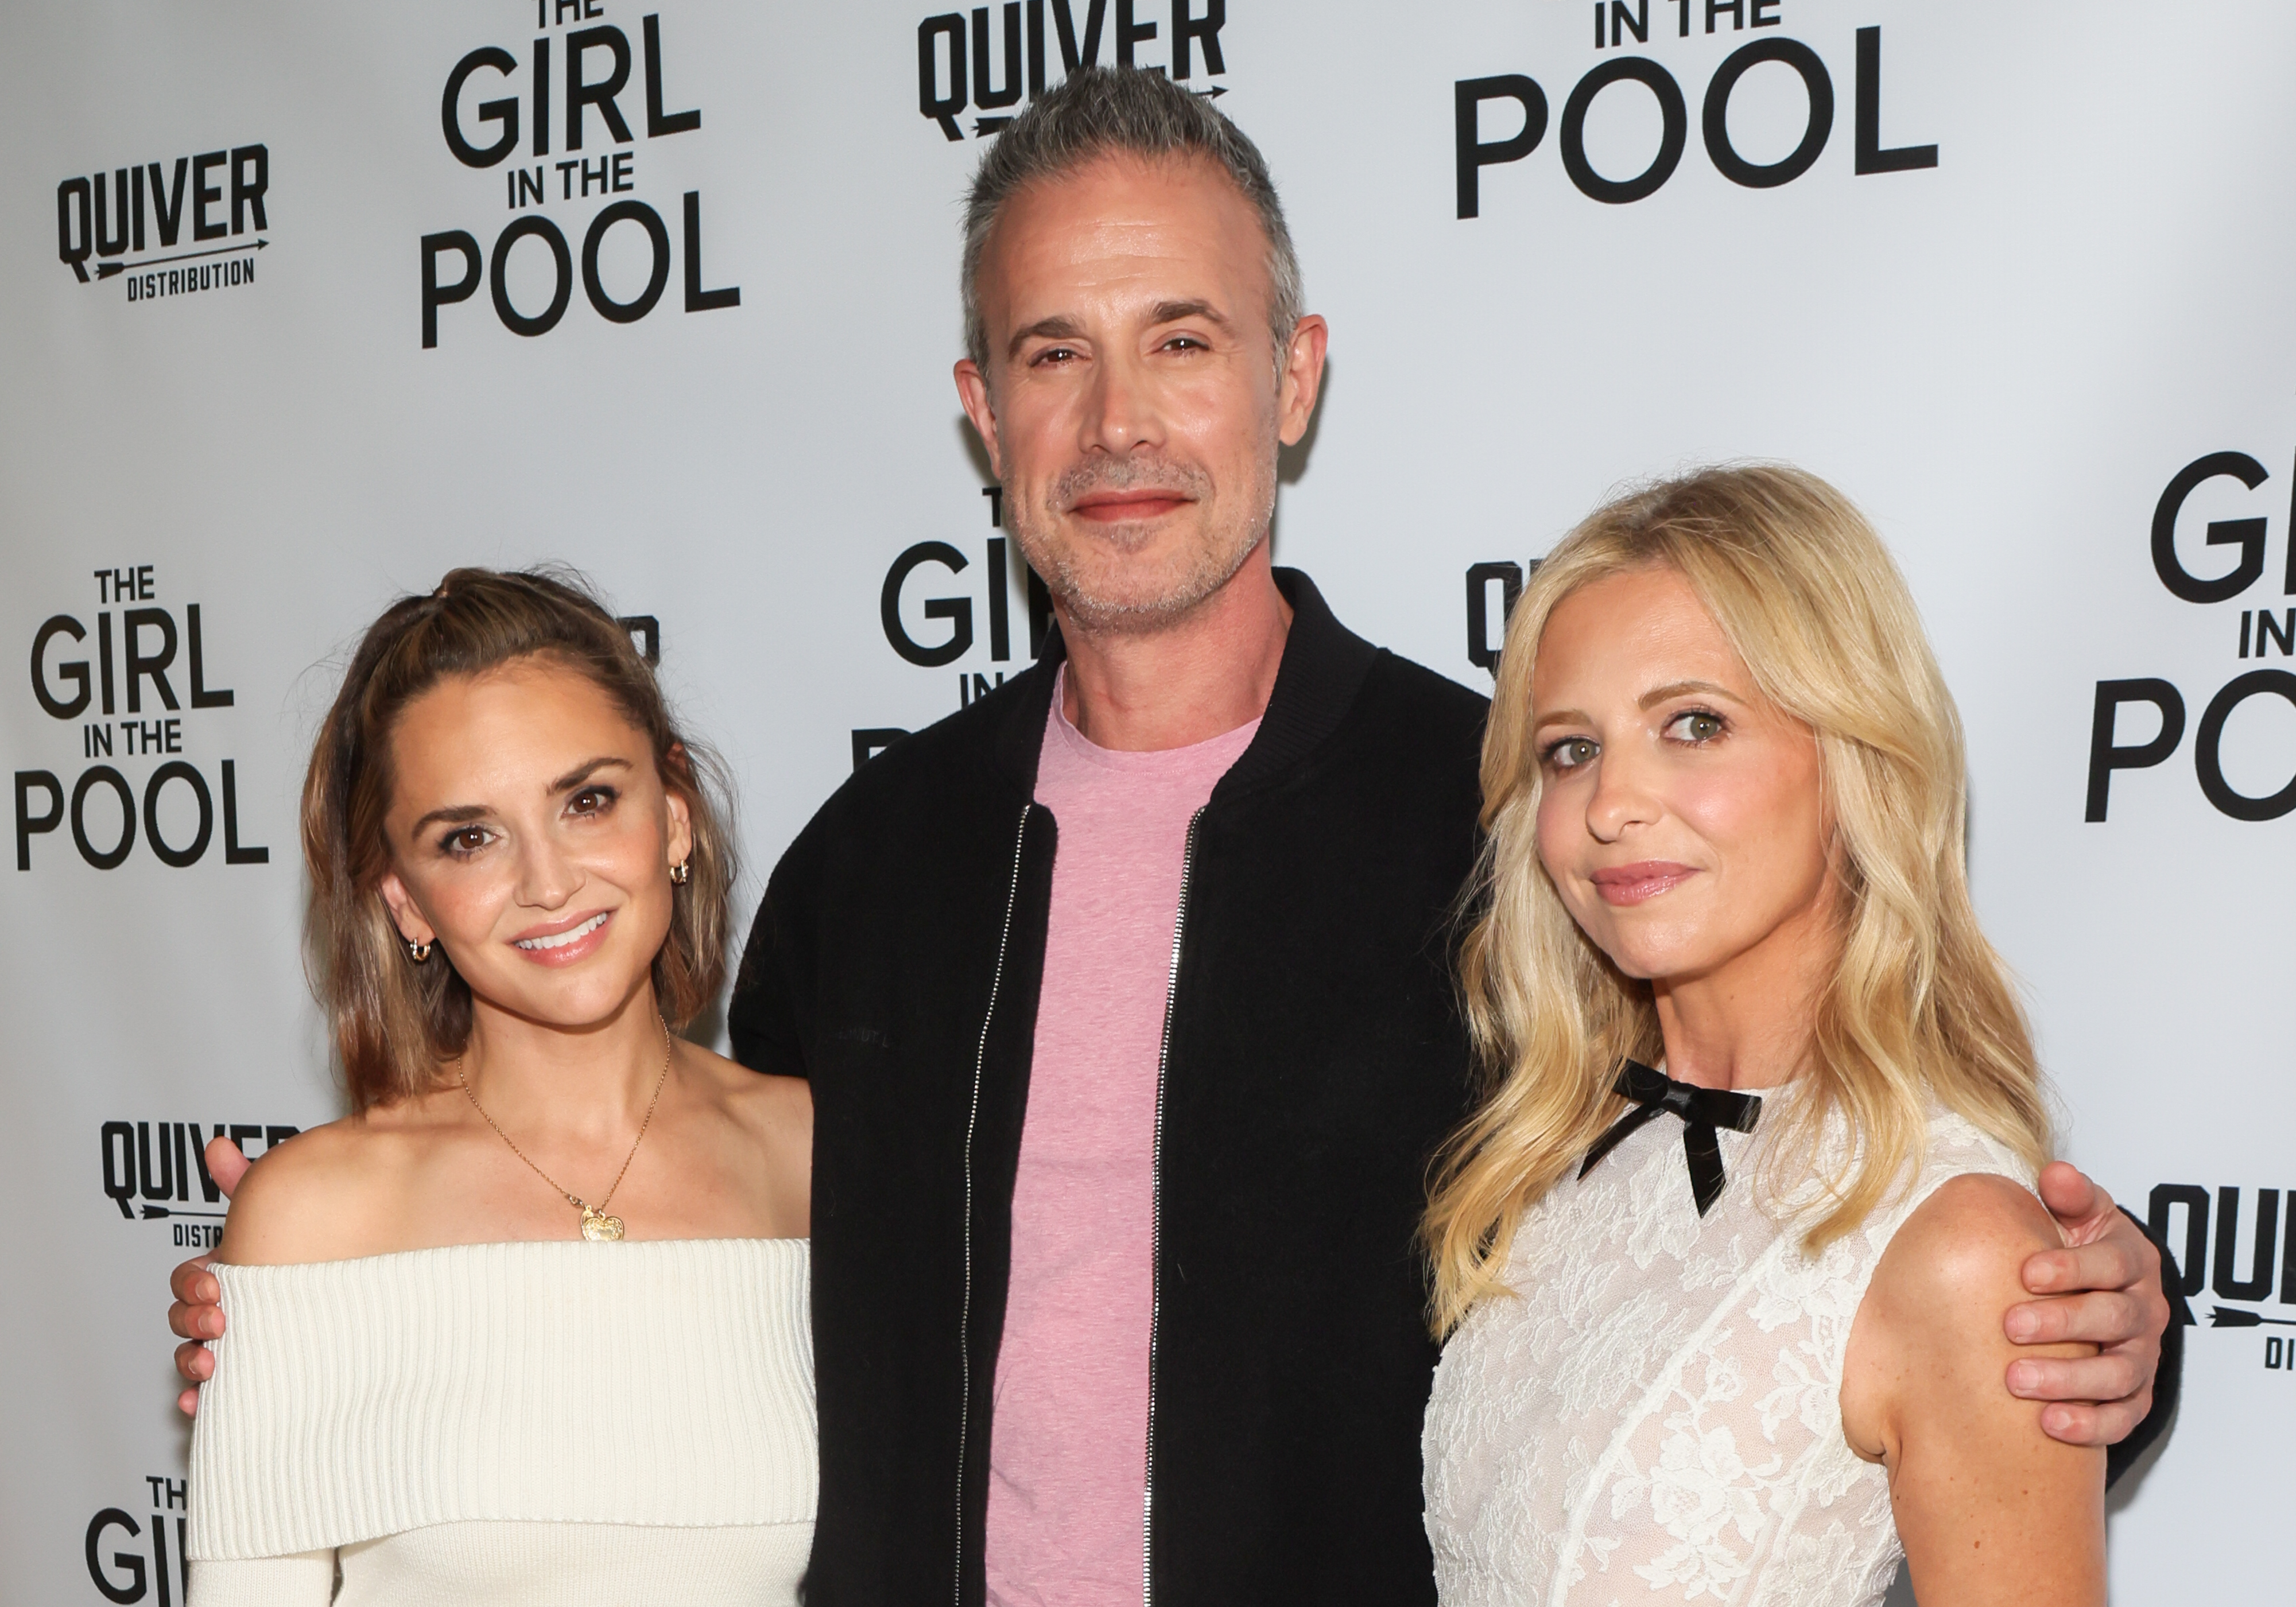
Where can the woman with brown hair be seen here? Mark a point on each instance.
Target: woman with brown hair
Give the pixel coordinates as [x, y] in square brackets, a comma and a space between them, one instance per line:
[529, 1324]
[1721, 1260]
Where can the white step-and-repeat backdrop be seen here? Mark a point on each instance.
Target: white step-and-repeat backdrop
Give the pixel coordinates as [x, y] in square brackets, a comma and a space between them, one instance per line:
[302, 305]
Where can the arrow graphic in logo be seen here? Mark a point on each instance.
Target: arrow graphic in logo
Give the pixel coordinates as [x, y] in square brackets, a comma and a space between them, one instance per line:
[2233, 1316]
[105, 270]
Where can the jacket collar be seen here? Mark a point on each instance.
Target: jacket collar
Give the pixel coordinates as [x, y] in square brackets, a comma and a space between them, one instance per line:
[1324, 666]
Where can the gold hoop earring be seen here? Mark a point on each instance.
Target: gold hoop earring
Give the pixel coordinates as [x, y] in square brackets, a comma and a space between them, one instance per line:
[681, 874]
[417, 952]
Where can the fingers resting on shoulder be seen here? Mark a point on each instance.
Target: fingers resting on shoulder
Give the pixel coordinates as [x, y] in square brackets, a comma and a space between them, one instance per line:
[2102, 1288]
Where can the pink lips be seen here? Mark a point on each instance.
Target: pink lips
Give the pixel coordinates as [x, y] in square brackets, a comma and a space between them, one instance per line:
[564, 942]
[1634, 884]
[1125, 509]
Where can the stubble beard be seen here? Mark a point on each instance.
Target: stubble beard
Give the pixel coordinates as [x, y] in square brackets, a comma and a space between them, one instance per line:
[1102, 582]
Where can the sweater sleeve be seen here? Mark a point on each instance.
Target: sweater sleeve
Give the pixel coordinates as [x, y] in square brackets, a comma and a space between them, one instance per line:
[305, 1579]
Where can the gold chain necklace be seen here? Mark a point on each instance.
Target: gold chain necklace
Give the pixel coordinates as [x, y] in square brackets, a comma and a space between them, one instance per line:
[596, 1225]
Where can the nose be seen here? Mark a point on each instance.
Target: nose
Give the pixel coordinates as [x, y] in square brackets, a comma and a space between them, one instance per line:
[546, 877]
[1623, 797]
[1121, 412]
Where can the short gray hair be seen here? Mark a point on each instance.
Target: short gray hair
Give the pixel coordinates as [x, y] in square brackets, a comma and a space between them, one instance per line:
[1101, 109]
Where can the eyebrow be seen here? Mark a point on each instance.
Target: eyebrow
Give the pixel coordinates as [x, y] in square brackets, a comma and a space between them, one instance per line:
[1675, 689]
[462, 813]
[1656, 695]
[587, 769]
[1175, 312]
[1061, 328]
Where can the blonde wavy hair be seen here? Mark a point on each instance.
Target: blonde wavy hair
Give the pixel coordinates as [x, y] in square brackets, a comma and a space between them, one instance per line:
[1919, 1006]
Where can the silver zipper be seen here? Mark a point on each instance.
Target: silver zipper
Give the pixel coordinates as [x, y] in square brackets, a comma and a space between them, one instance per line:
[1156, 1220]
[972, 1120]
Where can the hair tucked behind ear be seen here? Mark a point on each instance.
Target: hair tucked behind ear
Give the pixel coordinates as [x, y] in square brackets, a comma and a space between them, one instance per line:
[395, 1023]
[1919, 1006]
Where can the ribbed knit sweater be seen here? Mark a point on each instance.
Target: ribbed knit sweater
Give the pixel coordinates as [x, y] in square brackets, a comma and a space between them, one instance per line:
[509, 1424]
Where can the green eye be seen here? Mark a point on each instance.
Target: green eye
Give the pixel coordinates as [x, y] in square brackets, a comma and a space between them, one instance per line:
[1570, 752]
[1697, 726]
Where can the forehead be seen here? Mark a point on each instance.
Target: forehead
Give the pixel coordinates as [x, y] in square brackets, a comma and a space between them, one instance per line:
[500, 725]
[1645, 627]
[1163, 227]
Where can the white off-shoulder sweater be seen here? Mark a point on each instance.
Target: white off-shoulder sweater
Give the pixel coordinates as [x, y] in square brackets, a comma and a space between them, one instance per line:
[494, 1425]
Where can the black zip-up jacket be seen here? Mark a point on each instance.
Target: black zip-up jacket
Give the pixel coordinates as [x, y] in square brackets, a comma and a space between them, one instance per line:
[1315, 1059]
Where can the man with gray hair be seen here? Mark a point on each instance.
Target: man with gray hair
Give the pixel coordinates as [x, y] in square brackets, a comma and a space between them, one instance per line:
[1125, 992]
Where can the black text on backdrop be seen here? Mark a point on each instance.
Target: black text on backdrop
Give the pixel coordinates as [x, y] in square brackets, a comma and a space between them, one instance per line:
[219, 195]
[128, 677]
[597, 61]
[1616, 23]
[2268, 630]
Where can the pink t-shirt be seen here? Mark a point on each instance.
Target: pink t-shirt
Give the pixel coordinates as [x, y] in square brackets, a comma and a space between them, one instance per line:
[1067, 1457]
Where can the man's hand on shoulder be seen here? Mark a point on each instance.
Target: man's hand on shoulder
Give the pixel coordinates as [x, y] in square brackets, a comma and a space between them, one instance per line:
[1989, 1511]
[2103, 1288]
[303, 1201]
[196, 1317]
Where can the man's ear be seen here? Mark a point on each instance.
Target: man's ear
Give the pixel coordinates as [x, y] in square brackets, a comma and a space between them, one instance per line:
[1302, 378]
[403, 915]
[972, 390]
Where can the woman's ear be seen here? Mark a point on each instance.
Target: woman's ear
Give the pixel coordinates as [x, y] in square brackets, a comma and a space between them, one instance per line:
[676, 764]
[681, 827]
[412, 926]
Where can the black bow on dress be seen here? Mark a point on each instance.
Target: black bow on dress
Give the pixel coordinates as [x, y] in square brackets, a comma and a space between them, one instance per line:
[1701, 1110]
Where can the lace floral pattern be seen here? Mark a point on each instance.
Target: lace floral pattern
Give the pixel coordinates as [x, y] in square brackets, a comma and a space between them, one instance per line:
[1654, 1416]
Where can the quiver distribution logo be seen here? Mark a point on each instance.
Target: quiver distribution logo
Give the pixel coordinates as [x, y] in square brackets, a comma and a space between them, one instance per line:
[152, 223]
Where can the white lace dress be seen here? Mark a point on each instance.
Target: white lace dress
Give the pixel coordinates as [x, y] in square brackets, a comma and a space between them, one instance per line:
[1656, 1417]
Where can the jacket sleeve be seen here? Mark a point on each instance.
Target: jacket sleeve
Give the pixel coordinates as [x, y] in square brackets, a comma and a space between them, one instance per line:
[2167, 1380]
[764, 1017]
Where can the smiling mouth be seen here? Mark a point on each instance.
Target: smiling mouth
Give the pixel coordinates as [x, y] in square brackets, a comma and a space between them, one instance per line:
[1635, 883]
[572, 934]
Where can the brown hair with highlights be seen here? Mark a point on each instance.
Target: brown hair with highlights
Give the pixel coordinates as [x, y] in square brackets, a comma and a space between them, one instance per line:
[396, 1023]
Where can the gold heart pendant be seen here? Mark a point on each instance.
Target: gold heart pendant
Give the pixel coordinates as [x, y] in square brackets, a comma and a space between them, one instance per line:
[600, 1228]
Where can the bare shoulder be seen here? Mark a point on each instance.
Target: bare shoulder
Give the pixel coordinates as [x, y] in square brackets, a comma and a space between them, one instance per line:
[1989, 1508]
[315, 1197]
[1928, 1337]
[770, 1121]
[776, 1111]
[1961, 1249]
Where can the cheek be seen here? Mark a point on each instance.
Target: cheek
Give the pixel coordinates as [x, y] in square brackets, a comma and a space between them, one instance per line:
[1557, 829]
[1231, 435]
[1762, 813]
[464, 901]
[636, 845]
[1029, 433]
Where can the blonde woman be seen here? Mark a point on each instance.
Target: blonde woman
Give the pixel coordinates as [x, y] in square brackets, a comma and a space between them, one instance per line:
[1722, 1259]
[529, 1325]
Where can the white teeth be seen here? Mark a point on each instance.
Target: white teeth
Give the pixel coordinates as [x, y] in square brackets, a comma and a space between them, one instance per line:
[561, 939]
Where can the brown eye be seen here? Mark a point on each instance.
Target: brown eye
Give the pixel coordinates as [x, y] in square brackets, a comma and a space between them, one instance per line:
[465, 840]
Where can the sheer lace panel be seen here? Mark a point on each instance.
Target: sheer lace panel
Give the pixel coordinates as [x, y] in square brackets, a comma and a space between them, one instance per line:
[1654, 1416]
